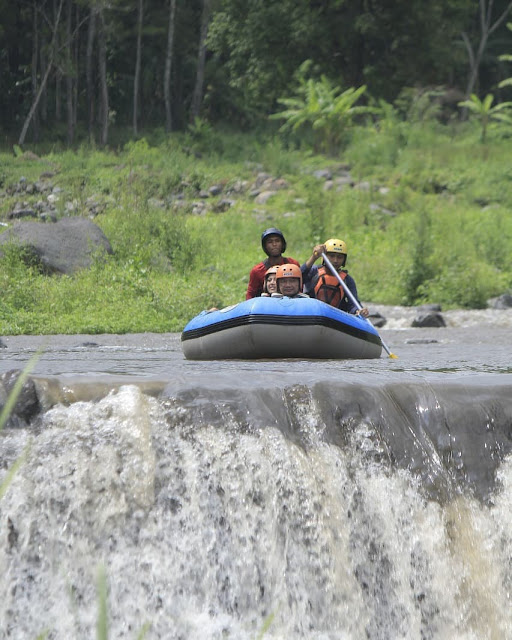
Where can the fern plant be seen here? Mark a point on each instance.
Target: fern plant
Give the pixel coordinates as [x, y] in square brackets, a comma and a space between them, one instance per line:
[485, 113]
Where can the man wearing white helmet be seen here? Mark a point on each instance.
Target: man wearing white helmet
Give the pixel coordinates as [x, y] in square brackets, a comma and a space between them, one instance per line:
[322, 284]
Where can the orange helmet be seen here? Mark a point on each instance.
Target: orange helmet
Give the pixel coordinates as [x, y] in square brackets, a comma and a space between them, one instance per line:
[289, 271]
[268, 272]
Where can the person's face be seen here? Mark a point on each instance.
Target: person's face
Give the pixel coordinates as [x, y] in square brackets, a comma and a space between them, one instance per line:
[289, 286]
[271, 283]
[337, 259]
[274, 246]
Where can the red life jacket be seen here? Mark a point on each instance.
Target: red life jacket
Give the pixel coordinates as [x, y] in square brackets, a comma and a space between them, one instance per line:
[328, 289]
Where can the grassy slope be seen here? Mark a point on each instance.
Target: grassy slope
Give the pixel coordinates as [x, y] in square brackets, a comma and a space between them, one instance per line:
[434, 227]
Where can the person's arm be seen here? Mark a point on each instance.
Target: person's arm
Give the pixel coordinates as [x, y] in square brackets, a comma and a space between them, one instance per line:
[352, 308]
[310, 272]
[255, 286]
[317, 252]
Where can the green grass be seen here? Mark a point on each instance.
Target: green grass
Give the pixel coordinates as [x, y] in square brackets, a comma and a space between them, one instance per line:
[434, 227]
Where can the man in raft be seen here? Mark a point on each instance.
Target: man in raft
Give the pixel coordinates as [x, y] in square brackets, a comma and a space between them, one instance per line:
[274, 245]
[289, 282]
[322, 284]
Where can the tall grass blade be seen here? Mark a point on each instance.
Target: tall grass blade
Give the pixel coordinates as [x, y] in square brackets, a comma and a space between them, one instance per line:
[102, 621]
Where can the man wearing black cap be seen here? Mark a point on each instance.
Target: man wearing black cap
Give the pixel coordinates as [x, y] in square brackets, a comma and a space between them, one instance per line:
[274, 245]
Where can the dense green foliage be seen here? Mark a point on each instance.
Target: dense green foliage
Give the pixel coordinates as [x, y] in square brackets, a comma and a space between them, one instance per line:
[72, 68]
[431, 224]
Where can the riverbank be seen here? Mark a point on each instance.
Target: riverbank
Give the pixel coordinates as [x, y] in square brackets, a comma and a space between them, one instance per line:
[185, 230]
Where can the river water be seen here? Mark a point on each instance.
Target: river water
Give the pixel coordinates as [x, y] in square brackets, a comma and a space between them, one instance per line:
[270, 499]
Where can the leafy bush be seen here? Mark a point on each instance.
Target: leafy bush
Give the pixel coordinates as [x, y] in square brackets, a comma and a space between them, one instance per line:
[322, 108]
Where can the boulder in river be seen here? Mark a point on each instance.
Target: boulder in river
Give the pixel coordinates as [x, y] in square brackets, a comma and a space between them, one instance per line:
[429, 319]
[27, 405]
[501, 302]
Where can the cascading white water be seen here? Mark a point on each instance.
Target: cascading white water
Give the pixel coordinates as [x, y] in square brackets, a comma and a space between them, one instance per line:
[211, 529]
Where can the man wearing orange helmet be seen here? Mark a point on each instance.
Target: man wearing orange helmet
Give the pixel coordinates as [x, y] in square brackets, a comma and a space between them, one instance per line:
[274, 245]
[322, 284]
[289, 281]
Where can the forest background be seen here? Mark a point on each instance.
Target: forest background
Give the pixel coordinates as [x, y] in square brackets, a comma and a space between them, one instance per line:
[145, 105]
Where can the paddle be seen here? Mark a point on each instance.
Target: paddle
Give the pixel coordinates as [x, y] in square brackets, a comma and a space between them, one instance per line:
[353, 298]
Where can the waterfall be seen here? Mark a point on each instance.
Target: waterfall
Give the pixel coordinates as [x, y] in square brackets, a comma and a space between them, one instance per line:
[324, 512]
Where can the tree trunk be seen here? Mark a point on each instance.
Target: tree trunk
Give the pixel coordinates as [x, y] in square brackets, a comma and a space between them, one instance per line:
[197, 98]
[91, 33]
[44, 79]
[103, 77]
[58, 75]
[44, 96]
[35, 52]
[69, 75]
[168, 65]
[136, 79]
[76, 53]
[486, 29]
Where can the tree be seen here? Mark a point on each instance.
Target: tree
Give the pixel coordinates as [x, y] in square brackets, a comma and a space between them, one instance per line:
[34, 66]
[91, 35]
[197, 97]
[486, 28]
[136, 78]
[69, 75]
[168, 66]
[104, 102]
[44, 80]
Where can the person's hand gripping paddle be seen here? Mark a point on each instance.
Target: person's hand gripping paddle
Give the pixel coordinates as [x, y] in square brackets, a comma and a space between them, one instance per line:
[354, 300]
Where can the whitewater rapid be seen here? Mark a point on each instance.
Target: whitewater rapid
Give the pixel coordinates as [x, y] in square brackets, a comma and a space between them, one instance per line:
[327, 501]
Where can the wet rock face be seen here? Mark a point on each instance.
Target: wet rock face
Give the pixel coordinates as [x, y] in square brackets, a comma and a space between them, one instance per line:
[501, 302]
[429, 320]
[27, 405]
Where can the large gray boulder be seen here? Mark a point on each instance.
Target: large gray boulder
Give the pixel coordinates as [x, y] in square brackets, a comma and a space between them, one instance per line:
[64, 247]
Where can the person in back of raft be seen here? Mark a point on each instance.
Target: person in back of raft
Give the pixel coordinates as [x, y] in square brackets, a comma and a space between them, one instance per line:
[274, 245]
[269, 283]
[289, 282]
[322, 284]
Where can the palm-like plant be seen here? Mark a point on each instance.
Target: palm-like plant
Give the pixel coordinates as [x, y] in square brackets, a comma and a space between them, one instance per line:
[506, 57]
[486, 113]
[322, 107]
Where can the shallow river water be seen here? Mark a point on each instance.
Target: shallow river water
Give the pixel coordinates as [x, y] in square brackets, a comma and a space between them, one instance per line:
[474, 342]
[286, 499]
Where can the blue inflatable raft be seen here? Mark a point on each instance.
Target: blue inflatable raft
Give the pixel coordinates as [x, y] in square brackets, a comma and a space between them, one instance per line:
[272, 328]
